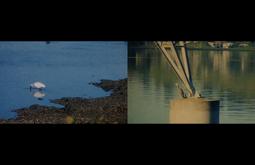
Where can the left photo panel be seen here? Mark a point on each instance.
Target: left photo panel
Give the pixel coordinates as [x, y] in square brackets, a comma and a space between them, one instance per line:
[63, 82]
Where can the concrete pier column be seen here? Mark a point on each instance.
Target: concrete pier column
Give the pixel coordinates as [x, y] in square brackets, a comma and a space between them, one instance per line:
[194, 111]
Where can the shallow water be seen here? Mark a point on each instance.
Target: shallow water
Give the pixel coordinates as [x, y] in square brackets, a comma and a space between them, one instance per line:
[225, 75]
[65, 67]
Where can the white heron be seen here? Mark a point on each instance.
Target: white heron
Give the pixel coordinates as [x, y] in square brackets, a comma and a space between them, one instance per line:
[37, 85]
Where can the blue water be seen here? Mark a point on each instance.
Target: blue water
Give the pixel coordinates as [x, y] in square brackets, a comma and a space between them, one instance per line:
[65, 67]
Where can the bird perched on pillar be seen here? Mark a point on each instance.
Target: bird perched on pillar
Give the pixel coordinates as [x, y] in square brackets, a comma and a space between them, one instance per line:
[180, 91]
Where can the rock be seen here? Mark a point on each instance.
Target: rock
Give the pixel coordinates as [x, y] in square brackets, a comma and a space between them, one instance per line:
[70, 120]
[106, 85]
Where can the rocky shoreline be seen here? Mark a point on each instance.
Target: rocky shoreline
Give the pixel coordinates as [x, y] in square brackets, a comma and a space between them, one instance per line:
[103, 110]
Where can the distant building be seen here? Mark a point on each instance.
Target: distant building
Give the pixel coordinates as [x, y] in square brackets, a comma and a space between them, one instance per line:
[211, 44]
[220, 44]
[227, 44]
[243, 45]
[215, 44]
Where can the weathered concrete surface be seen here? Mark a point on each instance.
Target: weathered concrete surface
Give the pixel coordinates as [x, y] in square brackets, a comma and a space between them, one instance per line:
[194, 110]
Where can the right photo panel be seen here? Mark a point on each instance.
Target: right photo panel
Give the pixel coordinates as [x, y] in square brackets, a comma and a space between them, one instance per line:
[191, 82]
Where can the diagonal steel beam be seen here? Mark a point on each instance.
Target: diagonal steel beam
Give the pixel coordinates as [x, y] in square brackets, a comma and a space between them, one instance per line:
[177, 66]
[185, 60]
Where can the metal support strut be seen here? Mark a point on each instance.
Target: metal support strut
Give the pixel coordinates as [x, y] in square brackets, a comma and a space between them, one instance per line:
[181, 67]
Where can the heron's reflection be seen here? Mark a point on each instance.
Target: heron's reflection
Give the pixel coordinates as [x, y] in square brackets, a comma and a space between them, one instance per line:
[39, 95]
